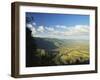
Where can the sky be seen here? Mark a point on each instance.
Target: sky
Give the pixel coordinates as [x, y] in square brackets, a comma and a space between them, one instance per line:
[62, 26]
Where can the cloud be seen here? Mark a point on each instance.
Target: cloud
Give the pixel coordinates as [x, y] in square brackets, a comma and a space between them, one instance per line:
[34, 23]
[70, 30]
[61, 26]
[49, 28]
[29, 26]
[59, 31]
[81, 28]
[41, 29]
[77, 30]
[33, 31]
[32, 28]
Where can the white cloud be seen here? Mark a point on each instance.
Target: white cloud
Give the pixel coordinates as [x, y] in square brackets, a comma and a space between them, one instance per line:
[82, 28]
[29, 26]
[41, 29]
[60, 31]
[33, 31]
[79, 30]
[34, 23]
[61, 26]
[32, 28]
[76, 30]
[49, 28]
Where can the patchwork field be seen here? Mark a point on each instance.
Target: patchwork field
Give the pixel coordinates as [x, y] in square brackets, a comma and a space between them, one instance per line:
[52, 51]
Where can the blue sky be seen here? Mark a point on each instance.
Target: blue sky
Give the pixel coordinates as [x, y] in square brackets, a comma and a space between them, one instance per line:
[52, 25]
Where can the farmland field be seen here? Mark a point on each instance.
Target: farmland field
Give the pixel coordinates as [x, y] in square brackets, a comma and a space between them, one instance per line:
[52, 51]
